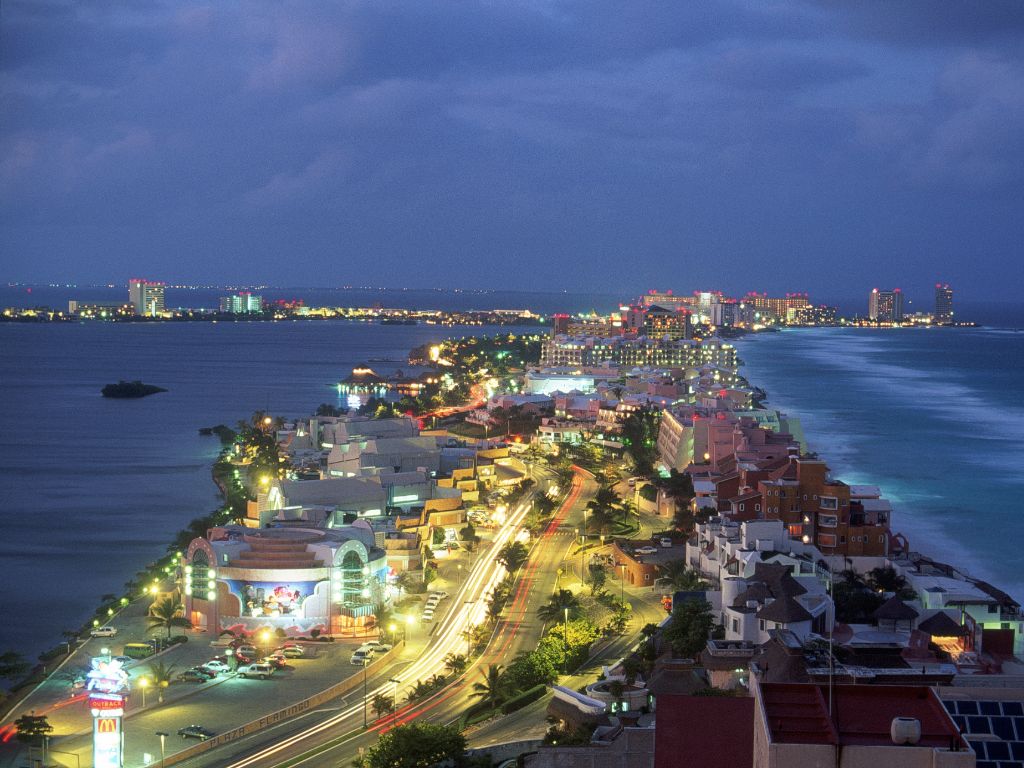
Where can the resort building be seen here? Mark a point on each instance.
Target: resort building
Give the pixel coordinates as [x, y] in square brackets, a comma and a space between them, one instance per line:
[885, 306]
[639, 352]
[292, 579]
[241, 303]
[943, 304]
[146, 296]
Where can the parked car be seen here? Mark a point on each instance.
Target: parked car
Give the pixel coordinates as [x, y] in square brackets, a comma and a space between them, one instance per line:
[440, 594]
[665, 542]
[196, 732]
[291, 651]
[262, 671]
[645, 551]
[217, 666]
[192, 676]
[124, 660]
[428, 615]
[361, 657]
[247, 650]
[378, 647]
[277, 662]
[205, 671]
[107, 631]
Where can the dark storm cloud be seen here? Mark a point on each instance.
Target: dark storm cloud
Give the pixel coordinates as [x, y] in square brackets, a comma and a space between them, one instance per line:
[795, 144]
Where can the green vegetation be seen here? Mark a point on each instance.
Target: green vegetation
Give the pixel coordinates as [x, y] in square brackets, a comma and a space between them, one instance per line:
[513, 555]
[561, 601]
[639, 438]
[681, 578]
[416, 745]
[456, 663]
[167, 614]
[382, 705]
[421, 689]
[688, 630]
[492, 687]
[520, 700]
[33, 729]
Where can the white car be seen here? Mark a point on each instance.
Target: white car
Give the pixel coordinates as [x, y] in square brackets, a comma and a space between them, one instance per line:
[259, 669]
[439, 595]
[216, 666]
[428, 615]
[103, 632]
[646, 551]
[377, 647]
[361, 657]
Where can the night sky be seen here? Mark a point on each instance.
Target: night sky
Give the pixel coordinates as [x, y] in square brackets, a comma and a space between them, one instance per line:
[604, 145]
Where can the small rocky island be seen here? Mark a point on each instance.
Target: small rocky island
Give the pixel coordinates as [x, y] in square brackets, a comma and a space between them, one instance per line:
[127, 389]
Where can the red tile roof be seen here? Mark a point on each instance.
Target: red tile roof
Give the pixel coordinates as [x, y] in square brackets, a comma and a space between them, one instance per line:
[798, 713]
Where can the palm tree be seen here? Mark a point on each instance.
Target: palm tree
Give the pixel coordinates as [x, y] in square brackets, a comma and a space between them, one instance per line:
[455, 663]
[161, 675]
[167, 614]
[682, 578]
[492, 689]
[886, 579]
[382, 617]
[382, 705]
[512, 555]
[557, 604]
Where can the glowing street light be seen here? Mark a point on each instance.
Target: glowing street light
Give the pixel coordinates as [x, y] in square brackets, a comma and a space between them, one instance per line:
[163, 752]
[143, 684]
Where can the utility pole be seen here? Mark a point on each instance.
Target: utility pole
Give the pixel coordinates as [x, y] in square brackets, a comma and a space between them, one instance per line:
[364, 693]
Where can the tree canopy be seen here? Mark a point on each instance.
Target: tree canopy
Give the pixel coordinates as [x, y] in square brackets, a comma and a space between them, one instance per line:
[417, 745]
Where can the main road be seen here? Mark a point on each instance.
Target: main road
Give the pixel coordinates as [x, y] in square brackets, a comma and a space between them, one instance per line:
[335, 735]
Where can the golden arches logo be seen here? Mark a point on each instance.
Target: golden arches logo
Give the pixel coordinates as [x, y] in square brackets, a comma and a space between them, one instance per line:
[106, 725]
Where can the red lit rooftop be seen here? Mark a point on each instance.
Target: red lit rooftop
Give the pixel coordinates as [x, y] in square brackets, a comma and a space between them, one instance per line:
[798, 713]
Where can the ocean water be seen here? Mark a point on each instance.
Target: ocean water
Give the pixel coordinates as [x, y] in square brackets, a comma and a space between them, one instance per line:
[935, 417]
[92, 489]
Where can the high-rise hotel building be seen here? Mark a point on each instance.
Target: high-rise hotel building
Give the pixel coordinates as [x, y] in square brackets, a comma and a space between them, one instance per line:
[885, 306]
[943, 304]
[147, 297]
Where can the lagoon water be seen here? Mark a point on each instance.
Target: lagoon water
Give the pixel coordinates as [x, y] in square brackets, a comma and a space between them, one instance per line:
[934, 417]
[92, 489]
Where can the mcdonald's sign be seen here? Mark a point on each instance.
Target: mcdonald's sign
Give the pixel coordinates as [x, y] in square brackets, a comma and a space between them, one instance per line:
[106, 725]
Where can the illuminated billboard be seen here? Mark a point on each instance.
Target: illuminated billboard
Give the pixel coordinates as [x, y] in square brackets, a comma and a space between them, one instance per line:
[273, 599]
[106, 742]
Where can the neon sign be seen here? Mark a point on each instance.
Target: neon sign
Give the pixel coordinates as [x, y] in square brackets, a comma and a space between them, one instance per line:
[106, 676]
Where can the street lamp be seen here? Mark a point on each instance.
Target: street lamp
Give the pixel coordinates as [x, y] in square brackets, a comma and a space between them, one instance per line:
[163, 752]
[394, 699]
[265, 637]
[622, 583]
[392, 630]
[565, 635]
[583, 577]
[410, 622]
[459, 567]
[143, 684]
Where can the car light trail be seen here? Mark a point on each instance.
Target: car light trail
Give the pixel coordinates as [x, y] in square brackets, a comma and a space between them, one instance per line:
[483, 577]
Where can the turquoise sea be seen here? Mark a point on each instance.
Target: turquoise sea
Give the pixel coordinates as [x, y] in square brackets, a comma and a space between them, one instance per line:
[935, 417]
